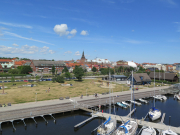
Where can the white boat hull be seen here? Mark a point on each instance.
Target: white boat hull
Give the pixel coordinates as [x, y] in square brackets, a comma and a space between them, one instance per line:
[154, 115]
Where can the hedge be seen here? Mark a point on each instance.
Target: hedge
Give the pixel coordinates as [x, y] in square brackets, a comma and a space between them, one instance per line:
[7, 75]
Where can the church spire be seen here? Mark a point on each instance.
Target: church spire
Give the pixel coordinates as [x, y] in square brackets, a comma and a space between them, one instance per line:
[83, 54]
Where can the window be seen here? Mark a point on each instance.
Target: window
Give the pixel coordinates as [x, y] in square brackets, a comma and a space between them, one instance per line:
[141, 77]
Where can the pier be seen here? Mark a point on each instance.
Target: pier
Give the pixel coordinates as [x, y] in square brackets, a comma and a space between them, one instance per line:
[158, 126]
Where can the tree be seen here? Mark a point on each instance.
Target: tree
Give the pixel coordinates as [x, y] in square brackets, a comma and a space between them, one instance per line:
[67, 75]
[94, 69]
[85, 70]
[25, 69]
[52, 59]
[12, 79]
[53, 69]
[65, 70]
[78, 72]
[53, 79]
[14, 71]
[56, 72]
[60, 79]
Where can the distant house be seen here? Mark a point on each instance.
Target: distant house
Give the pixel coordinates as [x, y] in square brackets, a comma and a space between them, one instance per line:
[139, 79]
[46, 66]
[7, 64]
[172, 77]
[178, 67]
[116, 78]
[151, 69]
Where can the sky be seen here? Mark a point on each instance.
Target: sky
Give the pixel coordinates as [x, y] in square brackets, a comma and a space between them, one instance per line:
[131, 30]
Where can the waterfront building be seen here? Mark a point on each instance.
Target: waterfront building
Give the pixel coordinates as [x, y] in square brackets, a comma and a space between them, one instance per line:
[171, 77]
[139, 79]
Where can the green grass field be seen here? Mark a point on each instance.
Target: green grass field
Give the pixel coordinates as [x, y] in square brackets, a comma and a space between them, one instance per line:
[17, 95]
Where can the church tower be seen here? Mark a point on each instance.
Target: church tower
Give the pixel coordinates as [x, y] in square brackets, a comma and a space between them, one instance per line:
[83, 58]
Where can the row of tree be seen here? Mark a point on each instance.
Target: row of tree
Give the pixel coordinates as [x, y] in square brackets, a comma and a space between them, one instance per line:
[21, 70]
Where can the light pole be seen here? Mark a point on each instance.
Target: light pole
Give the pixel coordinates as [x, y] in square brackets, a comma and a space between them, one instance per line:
[36, 97]
[86, 92]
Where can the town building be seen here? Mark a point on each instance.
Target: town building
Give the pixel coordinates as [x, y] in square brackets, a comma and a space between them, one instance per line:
[139, 79]
[7, 64]
[171, 77]
[178, 67]
[46, 66]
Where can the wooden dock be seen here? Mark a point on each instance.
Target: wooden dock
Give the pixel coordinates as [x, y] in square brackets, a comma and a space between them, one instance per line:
[158, 126]
[85, 121]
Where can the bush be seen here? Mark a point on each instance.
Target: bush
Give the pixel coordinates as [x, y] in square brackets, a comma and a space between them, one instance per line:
[60, 79]
[7, 75]
[14, 71]
[54, 80]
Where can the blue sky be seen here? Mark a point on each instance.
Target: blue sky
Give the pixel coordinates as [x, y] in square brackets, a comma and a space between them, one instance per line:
[138, 30]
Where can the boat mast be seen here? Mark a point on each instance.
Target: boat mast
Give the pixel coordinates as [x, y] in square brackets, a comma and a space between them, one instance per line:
[109, 95]
[131, 93]
[154, 86]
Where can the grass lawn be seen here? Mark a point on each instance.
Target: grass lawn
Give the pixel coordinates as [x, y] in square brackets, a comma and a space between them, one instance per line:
[17, 95]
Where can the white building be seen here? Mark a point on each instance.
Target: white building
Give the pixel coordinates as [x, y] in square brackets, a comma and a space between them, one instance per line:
[98, 60]
[132, 64]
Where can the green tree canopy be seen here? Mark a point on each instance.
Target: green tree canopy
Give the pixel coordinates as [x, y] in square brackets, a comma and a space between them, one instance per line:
[60, 79]
[65, 70]
[53, 69]
[25, 69]
[67, 75]
[94, 69]
[78, 72]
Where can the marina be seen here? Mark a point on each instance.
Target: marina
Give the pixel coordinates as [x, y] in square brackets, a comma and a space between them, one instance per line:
[67, 106]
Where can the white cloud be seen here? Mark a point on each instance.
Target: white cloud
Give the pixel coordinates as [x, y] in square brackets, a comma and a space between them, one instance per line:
[73, 32]
[60, 48]
[132, 30]
[25, 49]
[77, 53]
[61, 29]
[68, 52]
[16, 25]
[15, 45]
[84, 33]
[16, 35]
[44, 49]
[169, 2]
[178, 26]
[51, 51]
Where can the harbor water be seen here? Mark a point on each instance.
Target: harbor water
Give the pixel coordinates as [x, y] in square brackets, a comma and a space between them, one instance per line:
[65, 123]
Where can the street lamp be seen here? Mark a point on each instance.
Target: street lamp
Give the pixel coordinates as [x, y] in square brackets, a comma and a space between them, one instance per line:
[36, 97]
[86, 91]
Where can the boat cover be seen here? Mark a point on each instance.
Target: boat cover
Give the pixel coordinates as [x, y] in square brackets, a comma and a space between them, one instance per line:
[154, 109]
[107, 120]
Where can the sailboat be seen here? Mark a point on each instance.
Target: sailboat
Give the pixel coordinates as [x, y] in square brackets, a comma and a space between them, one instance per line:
[123, 102]
[148, 131]
[154, 113]
[169, 131]
[130, 127]
[110, 124]
[121, 105]
[177, 96]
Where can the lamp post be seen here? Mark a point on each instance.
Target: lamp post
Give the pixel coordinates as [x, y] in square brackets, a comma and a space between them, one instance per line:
[36, 97]
[86, 92]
